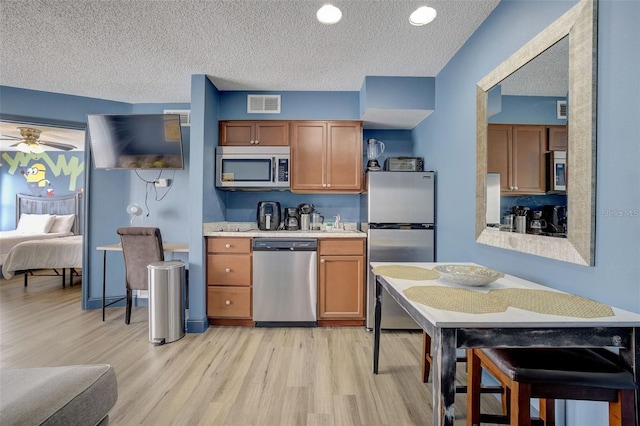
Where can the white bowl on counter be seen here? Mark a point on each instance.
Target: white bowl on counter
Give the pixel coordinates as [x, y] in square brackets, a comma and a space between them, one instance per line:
[469, 275]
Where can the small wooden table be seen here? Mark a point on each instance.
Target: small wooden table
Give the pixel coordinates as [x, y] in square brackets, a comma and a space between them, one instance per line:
[168, 247]
[514, 327]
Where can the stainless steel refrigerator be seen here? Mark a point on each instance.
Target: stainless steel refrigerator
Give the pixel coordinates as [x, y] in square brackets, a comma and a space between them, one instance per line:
[401, 217]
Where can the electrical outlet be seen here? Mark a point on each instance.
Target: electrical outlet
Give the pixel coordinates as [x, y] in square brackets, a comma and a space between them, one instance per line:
[162, 183]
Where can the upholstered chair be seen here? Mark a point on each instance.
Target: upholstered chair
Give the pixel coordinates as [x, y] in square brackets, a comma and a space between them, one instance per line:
[140, 247]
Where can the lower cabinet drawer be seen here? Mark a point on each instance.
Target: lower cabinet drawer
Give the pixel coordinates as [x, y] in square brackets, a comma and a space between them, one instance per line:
[229, 269]
[228, 302]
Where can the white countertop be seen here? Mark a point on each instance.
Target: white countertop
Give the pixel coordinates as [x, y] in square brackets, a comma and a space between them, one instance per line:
[249, 229]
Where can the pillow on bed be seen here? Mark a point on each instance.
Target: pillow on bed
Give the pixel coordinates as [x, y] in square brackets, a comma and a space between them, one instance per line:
[62, 224]
[35, 223]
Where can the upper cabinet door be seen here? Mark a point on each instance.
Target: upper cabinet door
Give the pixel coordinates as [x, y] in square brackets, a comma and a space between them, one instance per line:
[499, 153]
[344, 152]
[308, 147]
[254, 133]
[272, 133]
[558, 138]
[517, 152]
[529, 145]
[238, 133]
[326, 156]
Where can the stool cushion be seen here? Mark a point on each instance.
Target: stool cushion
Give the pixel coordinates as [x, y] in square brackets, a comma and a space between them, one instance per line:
[69, 395]
[567, 367]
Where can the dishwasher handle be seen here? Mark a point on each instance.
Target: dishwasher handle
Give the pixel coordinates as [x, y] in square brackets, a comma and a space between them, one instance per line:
[285, 244]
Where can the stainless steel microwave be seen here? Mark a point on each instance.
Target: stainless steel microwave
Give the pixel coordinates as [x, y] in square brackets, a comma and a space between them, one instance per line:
[556, 172]
[252, 167]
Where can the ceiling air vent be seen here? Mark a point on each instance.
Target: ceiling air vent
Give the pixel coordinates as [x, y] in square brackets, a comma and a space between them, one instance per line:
[561, 107]
[263, 104]
[185, 115]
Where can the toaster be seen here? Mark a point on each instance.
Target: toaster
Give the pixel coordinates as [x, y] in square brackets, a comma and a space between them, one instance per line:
[404, 164]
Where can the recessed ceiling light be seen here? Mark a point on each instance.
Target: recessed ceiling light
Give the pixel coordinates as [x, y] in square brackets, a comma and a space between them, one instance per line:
[422, 16]
[329, 14]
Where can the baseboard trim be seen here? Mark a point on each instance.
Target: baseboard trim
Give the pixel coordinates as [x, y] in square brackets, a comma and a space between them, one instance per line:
[197, 325]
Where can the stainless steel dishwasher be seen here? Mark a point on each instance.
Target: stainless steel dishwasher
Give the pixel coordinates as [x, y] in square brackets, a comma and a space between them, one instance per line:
[285, 282]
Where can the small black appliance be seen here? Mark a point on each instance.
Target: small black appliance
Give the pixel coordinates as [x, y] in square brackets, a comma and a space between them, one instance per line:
[268, 215]
[555, 218]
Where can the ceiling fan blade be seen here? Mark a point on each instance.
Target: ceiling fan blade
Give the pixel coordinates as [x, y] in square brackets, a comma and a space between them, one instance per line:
[57, 145]
[10, 138]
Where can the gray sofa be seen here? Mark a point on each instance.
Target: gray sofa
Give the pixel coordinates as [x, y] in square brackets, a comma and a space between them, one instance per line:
[68, 395]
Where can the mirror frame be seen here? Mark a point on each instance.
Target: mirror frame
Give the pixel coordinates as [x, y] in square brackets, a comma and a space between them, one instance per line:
[580, 24]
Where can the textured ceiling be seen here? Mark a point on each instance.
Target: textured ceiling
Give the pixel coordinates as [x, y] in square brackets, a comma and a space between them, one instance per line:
[545, 75]
[146, 51]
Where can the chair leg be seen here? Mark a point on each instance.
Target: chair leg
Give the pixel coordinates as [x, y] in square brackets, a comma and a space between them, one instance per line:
[506, 397]
[474, 377]
[520, 404]
[548, 411]
[621, 412]
[426, 356]
[127, 314]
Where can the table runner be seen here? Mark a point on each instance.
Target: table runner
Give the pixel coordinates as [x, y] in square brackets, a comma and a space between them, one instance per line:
[498, 300]
[406, 272]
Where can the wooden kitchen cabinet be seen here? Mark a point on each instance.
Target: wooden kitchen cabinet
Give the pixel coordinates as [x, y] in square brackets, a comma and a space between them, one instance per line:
[517, 152]
[341, 282]
[229, 281]
[254, 133]
[326, 156]
[558, 138]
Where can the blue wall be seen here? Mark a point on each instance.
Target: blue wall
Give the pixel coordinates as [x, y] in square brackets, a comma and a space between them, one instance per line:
[204, 203]
[294, 106]
[528, 110]
[447, 139]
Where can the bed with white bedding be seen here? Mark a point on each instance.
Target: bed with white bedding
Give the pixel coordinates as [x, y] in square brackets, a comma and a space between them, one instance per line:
[46, 236]
[9, 239]
[51, 253]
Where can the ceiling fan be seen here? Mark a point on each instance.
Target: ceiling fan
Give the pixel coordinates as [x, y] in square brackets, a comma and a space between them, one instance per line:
[30, 142]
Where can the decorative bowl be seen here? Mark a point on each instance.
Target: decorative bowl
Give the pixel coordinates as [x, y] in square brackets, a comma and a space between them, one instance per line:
[473, 276]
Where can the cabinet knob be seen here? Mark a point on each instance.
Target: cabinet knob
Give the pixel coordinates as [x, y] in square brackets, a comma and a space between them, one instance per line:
[256, 142]
[324, 185]
[321, 260]
[228, 246]
[228, 302]
[328, 185]
[250, 142]
[227, 270]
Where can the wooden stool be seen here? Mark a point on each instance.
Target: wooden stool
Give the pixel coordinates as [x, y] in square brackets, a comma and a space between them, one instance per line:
[427, 360]
[548, 374]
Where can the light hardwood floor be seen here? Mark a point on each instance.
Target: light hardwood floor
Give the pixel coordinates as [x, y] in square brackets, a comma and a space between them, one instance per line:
[227, 375]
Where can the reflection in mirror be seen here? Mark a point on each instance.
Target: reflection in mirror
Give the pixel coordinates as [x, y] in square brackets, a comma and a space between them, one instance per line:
[502, 98]
[523, 124]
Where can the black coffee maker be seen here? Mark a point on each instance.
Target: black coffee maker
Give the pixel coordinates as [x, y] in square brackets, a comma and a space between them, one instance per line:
[555, 218]
[291, 219]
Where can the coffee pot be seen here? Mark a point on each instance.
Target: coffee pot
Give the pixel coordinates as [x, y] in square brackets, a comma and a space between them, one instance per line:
[537, 223]
[375, 148]
[316, 221]
[291, 219]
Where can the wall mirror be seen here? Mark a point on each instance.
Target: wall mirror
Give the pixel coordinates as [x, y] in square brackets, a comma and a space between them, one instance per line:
[579, 24]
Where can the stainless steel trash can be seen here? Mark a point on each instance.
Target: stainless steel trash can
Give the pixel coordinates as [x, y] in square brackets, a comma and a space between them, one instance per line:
[166, 307]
